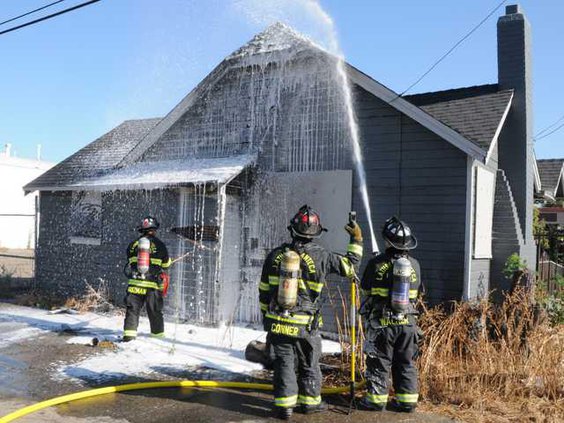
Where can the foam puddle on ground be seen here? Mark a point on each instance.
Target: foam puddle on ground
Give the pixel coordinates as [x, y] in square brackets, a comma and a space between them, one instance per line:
[220, 349]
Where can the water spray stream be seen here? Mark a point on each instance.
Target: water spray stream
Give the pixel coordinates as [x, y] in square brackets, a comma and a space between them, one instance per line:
[353, 126]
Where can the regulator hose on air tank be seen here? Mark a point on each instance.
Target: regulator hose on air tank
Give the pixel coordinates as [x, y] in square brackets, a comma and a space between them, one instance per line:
[147, 385]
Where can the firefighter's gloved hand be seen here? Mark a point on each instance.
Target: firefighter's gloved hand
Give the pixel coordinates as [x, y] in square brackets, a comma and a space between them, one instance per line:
[164, 279]
[354, 231]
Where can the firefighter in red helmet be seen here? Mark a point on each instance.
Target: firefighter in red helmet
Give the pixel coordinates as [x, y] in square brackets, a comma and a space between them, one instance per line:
[146, 269]
[391, 284]
[290, 291]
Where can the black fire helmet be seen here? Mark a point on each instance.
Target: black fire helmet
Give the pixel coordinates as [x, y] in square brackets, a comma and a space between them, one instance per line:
[148, 223]
[306, 223]
[398, 234]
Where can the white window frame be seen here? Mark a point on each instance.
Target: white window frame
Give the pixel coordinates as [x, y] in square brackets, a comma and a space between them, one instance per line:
[483, 212]
[96, 196]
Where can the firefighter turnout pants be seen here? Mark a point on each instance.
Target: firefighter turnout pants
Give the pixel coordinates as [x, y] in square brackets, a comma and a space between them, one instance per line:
[153, 299]
[297, 375]
[395, 348]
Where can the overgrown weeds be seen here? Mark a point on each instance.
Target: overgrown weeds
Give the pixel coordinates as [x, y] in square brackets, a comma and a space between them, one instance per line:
[483, 362]
[94, 299]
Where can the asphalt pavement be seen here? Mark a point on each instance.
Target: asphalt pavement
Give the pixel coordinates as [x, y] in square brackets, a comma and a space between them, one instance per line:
[28, 374]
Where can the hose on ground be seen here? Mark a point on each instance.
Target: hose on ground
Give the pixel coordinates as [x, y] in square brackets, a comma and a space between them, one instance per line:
[147, 385]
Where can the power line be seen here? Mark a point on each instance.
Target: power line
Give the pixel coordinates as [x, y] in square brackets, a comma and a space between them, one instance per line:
[44, 18]
[550, 133]
[549, 127]
[32, 11]
[444, 56]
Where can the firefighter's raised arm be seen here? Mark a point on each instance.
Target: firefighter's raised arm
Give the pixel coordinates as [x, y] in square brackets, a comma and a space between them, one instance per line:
[347, 265]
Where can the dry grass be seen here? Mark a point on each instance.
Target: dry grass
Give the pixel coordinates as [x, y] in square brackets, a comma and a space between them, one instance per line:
[485, 363]
[481, 362]
[93, 299]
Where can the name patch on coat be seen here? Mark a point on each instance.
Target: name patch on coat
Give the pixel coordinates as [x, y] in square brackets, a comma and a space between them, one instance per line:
[287, 330]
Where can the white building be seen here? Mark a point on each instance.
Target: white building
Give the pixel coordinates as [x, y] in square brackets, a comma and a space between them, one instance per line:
[17, 211]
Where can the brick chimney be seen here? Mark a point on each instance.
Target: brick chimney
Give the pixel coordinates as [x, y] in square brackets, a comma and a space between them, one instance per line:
[516, 157]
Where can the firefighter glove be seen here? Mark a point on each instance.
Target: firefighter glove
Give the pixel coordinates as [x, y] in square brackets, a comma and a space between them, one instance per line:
[354, 230]
[164, 282]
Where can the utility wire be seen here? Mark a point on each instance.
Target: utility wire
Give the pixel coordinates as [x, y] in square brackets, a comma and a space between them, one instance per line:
[550, 133]
[549, 127]
[44, 18]
[444, 56]
[32, 11]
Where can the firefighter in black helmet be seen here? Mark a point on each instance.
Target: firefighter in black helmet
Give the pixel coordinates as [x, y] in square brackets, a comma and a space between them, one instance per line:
[146, 269]
[290, 290]
[391, 284]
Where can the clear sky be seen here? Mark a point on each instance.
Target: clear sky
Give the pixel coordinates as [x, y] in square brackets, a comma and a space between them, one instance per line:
[66, 81]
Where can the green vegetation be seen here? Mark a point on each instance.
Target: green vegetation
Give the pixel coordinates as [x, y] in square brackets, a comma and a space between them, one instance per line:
[552, 303]
[513, 264]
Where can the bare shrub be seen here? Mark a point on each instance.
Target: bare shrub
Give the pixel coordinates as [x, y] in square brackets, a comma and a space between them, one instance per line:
[94, 299]
[493, 363]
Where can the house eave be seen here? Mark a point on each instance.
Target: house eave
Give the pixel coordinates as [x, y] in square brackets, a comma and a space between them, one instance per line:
[415, 113]
[499, 128]
[538, 183]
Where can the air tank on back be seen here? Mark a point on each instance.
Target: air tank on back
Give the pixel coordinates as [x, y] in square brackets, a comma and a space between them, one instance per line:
[143, 256]
[289, 275]
[401, 282]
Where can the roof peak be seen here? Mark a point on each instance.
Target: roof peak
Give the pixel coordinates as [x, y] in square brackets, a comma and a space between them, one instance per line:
[276, 37]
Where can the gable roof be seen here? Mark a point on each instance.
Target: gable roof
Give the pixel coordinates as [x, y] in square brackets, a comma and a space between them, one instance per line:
[102, 154]
[475, 112]
[469, 118]
[273, 41]
[550, 172]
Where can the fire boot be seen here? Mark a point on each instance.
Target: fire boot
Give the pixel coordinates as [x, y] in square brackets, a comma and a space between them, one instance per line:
[310, 409]
[283, 413]
[395, 405]
[366, 405]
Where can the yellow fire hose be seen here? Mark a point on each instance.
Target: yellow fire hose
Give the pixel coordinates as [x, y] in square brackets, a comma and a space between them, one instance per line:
[353, 337]
[147, 385]
[197, 383]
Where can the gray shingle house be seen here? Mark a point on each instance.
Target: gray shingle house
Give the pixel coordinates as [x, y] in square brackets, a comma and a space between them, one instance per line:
[550, 178]
[265, 132]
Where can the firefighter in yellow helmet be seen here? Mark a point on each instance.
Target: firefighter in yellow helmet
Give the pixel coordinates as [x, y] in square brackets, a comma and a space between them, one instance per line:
[391, 283]
[147, 271]
[292, 283]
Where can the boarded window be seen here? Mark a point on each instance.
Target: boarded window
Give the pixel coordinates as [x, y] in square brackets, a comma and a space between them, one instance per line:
[86, 217]
[485, 184]
[549, 217]
[198, 233]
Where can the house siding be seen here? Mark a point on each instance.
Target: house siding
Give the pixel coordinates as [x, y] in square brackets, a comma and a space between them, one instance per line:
[65, 268]
[480, 273]
[415, 174]
[289, 114]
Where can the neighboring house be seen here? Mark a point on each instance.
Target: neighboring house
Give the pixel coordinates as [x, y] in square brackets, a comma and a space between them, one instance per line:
[551, 189]
[550, 174]
[267, 131]
[17, 211]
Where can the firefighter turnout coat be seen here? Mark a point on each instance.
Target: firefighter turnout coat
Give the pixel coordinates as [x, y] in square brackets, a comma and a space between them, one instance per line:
[293, 336]
[391, 340]
[146, 290]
